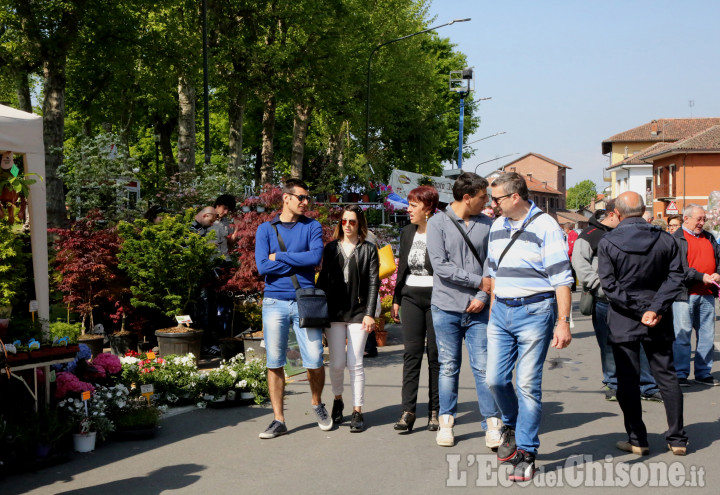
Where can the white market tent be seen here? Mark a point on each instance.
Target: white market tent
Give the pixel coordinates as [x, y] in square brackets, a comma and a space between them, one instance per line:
[22, 133]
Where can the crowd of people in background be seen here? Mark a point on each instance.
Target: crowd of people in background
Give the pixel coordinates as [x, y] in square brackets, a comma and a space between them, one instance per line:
[498, 276]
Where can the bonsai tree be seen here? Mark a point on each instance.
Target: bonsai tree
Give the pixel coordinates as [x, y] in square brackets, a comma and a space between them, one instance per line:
[166, 263]
[88, 266]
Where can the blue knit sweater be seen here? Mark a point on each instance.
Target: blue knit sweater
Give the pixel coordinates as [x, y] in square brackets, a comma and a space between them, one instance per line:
[304, 246]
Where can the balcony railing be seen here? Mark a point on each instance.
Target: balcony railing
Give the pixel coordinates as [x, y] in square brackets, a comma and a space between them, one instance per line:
[663, 191]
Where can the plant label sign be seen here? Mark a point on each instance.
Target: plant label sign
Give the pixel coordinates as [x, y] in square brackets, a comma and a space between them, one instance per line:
[33, 306]
[150, 355]
[147, 389]
[86, 395]
[183, 319]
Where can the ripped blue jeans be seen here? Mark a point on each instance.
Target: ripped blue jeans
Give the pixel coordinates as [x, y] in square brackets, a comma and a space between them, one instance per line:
[450, 329]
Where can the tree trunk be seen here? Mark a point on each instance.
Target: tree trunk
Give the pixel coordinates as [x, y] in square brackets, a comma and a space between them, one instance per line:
[268, 135]
[186, 125]
[236, 116]
[258, 167]
[300, 128]
[53, 137]
[22, 89]
[165, 129]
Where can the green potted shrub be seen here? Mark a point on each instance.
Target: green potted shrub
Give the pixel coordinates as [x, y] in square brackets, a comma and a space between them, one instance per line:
[138, 420]
[166, 264]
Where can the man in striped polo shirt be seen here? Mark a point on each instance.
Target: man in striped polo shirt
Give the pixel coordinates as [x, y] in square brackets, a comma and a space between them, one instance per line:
[530, 281]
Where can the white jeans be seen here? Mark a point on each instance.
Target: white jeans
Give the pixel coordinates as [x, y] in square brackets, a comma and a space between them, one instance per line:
[353, 358]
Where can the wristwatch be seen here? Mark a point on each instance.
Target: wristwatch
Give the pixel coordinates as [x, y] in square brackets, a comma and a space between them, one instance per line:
[564, 318]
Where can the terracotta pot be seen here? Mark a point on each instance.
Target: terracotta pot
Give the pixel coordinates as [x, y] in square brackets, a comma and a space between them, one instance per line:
[381, 338]
[333, 198]
[365, 198]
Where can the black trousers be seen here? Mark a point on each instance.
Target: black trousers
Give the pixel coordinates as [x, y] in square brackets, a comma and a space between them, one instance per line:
[627, 361]
[417, 328]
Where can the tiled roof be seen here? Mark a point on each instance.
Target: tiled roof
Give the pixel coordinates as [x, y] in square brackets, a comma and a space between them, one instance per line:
[542, 157]
[538, 186]
[571, 216]
[667, 130]
[704, 141]
[640, 158]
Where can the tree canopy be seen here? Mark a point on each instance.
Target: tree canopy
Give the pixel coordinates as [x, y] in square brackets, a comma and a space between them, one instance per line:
[581, 194]
[287, 87]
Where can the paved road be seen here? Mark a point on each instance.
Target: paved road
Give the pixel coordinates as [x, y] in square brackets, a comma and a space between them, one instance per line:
[218, 451]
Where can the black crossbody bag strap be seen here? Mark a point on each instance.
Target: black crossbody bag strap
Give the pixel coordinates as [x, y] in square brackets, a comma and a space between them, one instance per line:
[294, 279]
[465, 236]
[516, 235]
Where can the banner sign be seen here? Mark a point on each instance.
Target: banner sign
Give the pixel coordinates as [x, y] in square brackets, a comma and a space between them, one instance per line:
[404, 182]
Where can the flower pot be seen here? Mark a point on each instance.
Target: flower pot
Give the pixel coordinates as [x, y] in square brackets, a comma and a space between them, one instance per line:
[245, 209]
[365, 198]
[254, 347]
[259, 209]
[42, 450]
[373, 196]
[333, 198]
[179, 340]
[94, 342]
[247, 395]
[84, 442]
[120, 343]
[381, 338]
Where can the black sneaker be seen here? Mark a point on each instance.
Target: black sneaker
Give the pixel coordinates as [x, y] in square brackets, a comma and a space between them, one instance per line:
[275, 429]
[337, 411]
[356, 422]
[610, 394]
[524, 466]
[684, 382]
[656, 397]
[506, 450]
[708, 380]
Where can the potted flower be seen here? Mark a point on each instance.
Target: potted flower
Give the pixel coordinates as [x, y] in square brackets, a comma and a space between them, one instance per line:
[89, 421]
[137, 421]
[166, 265]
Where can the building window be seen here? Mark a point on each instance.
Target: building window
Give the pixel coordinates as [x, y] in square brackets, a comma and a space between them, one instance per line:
[671, 172]
[658, 175]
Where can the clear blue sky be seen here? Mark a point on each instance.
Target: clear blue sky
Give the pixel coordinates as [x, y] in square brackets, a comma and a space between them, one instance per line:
[565, 75]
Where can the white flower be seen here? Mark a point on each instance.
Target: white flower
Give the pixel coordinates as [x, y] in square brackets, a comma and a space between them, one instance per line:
[249, 349]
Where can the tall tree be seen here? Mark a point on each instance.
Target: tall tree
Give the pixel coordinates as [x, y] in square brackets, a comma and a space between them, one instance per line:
[581, 194]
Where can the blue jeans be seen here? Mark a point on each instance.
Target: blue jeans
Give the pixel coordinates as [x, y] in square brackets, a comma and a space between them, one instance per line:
[607, 360]
[450, 329]
[278, 315]
[520, 335]
[697, 312]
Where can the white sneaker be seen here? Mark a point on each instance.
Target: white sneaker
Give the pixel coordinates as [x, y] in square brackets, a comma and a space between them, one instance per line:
[445, 436]
[493, 438]
[323, 418]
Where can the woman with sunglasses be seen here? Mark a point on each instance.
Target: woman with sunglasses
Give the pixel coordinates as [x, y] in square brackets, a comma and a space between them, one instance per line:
[412, 291]
[349, 277]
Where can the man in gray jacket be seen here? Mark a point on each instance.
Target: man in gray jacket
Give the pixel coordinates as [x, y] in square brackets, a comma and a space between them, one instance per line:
[584, 262]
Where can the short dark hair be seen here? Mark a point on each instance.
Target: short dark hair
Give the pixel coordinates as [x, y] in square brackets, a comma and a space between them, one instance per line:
[226, 200]
[291, 184]
[468, 183]
[339, 234]
[427, 195]
[152, 213]
[675, 217]
[512, 182]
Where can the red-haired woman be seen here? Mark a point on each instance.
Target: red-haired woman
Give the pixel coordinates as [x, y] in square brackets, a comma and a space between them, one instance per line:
[349, 277]
[412, 293]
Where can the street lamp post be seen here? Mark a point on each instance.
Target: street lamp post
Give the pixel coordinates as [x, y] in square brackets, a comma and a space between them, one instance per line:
[367, 100]
[496, 158]
[476, 141]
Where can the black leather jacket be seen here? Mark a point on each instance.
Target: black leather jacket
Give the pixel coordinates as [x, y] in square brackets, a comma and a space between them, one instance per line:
[332, 281]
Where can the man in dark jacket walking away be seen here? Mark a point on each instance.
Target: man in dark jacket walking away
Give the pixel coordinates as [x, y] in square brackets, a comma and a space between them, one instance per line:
[640, 273]
[585, 263]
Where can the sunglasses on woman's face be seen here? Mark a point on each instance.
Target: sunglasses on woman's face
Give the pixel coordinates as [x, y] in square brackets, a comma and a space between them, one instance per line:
[345, 221]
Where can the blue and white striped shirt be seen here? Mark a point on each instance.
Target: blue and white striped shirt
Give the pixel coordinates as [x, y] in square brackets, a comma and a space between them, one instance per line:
[537, 262]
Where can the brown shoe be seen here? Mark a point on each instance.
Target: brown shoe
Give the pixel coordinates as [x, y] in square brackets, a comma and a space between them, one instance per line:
[635, 449]
[678, 449]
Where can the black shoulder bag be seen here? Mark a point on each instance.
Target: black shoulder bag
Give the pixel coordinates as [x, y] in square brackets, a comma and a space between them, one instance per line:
[311, 302]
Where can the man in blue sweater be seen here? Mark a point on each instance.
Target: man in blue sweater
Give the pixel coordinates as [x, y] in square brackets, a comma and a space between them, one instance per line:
[303, 252]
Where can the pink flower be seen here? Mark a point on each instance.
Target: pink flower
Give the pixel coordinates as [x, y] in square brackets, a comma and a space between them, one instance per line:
[108, 362]
[66, 382]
